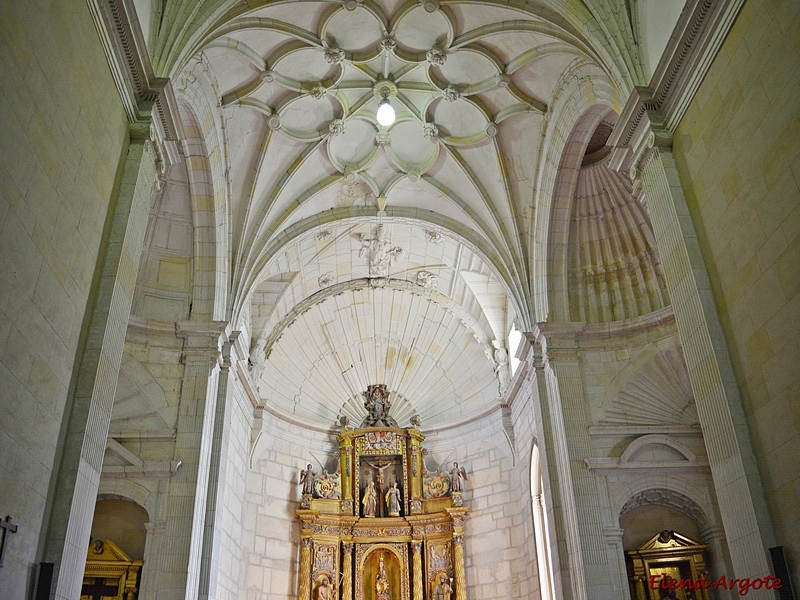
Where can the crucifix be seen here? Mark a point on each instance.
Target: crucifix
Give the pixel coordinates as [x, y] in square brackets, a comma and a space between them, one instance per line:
[380, 466]
[9, 528]
[99, 590]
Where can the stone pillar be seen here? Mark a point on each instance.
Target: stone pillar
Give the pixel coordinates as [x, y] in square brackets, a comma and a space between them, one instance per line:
[714, 536]
[616, 557]
[182, 550]
[458, 567]
[566, 562]
[209, 562]
[305, 568]
[90, 403]
[347, 571]
[584, 568]
[419, 587]
[740, 496]
[152, 548]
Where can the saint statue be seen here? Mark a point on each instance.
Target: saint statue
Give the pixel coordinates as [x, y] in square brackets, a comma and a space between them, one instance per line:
[369, 500]
[381, 582]
[457, 478]
[307, 480]
[443, 591]
[256, 360]
[393, 501]
[501, 367]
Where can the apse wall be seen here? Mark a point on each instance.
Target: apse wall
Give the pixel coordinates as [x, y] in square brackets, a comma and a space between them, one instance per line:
[737, 152]
[499, 549]
[62, 140]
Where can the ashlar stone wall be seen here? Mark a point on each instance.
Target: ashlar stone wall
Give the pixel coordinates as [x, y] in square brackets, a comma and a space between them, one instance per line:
[738, 155]
[62, 137]
[500, 555]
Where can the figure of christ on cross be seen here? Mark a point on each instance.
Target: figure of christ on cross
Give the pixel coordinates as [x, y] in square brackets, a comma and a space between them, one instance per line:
[99, 590]
[380, 466]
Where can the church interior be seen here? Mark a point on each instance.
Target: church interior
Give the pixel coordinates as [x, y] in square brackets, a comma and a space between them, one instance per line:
[399, 299]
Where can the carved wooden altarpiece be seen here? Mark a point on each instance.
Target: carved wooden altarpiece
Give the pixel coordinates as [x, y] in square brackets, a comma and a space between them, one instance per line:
[109, 573]
[668, 555]
[382, 557]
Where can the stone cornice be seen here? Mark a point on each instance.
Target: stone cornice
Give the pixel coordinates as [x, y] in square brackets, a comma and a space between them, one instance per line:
[575, 335]
[652, 113]
[126, 52]
[149, 101]
[151, 327]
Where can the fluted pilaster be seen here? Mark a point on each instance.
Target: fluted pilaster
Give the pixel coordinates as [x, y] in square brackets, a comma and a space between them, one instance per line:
[736, 479]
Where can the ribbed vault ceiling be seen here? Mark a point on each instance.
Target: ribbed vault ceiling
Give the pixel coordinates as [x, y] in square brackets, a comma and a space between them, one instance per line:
[362, 254]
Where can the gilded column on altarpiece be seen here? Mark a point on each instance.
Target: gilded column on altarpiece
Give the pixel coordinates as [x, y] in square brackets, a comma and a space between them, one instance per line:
[305, 569]
[347, 571]
[458, 566]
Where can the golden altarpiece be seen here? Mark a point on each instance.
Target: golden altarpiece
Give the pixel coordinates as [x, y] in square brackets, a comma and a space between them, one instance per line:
[110, 574]
[667, 555]
[382, 527]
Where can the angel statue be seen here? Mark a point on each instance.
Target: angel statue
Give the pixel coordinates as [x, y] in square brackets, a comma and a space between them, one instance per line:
[457, 478]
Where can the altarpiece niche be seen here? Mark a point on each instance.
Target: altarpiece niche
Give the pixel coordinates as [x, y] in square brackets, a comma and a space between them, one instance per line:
[382, 527]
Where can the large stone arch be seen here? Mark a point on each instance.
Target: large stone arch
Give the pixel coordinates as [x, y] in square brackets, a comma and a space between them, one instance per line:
[667, 496]
[582, 89]
[206, 158]
[561, 209]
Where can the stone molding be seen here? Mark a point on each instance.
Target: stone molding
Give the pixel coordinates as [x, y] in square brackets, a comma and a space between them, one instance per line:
[652, 113]
[670, 498]
[626, 462]
[149, 101]
[388, 282]
[602, 431]
[568, 339]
